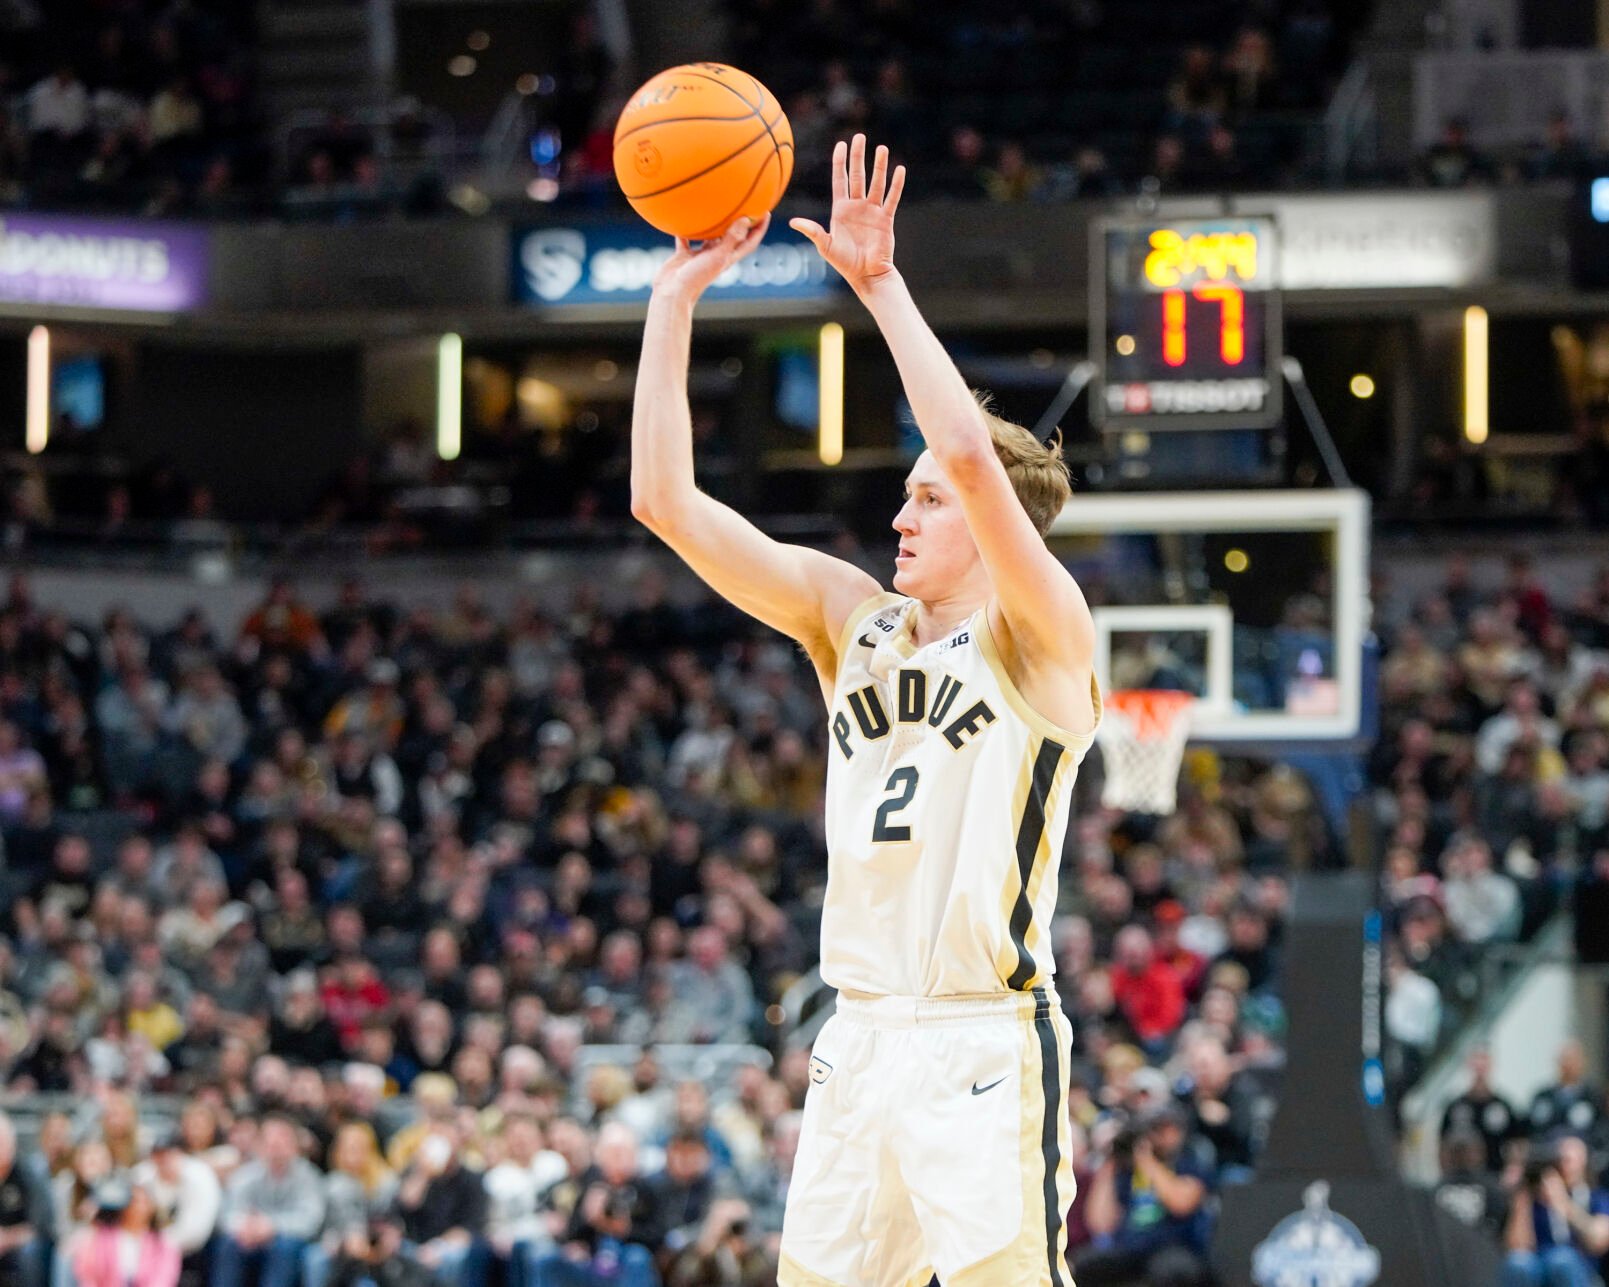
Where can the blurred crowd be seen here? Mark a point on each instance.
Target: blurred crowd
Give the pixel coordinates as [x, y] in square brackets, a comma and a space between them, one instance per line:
[153, 107]
[420, 944]
[1051, 101]
[1490, 780]
[1527, 1174]
[141, 108]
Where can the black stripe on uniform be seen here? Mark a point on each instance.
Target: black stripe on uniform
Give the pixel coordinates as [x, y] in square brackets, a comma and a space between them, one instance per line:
[1030, 829]
[1050, 1139]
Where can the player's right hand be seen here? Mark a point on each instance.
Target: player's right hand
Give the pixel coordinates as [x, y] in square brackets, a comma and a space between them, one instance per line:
[691, 272]
[859, 238]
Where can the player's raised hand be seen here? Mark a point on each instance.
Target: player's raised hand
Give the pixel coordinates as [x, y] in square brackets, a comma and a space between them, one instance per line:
[859, 242]
[692, 271]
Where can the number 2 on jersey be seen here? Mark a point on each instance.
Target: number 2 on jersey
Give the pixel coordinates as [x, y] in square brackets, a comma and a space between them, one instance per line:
[902, 780]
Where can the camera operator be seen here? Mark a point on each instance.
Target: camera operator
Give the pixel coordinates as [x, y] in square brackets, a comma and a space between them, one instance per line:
[1558, 1227]
[377, 1257]
[726, 1253]
[1148, 1208]
[615, 1225]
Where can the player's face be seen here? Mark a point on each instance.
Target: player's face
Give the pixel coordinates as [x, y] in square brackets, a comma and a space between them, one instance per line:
[936, 550]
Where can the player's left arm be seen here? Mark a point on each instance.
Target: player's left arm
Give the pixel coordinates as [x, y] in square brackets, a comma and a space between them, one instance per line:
[1044, 610]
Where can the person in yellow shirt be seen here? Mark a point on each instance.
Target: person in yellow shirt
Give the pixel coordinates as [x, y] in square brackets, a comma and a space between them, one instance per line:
[145, 1014]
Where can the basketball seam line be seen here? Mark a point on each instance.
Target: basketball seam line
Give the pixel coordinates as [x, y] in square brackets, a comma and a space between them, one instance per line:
[769, 125]
[776, 154]
[659, 192]
[775, 146]
[679, 120]
[757, 108]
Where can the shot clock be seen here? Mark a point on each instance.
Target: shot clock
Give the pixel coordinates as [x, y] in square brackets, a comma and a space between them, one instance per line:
[1185, 321]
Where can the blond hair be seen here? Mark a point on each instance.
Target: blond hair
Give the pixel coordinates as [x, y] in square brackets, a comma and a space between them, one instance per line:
[1037, 472]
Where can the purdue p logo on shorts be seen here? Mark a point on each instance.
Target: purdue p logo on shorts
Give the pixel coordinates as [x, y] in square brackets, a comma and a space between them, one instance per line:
[820, 1070]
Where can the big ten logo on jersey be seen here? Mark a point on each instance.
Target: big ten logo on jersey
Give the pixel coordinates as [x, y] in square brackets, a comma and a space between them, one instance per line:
[919, 697]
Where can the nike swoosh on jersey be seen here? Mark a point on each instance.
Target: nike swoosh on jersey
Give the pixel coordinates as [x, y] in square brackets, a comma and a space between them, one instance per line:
[866, 641]
[979, 1090]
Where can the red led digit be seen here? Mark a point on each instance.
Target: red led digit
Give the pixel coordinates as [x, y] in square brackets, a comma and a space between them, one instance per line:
[1173, 346]
[1231, 321]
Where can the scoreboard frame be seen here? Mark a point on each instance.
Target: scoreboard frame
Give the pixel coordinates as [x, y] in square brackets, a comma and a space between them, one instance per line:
[1192, 267]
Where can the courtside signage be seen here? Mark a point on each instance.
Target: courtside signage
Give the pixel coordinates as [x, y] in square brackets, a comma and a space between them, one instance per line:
[616, 263]
[1315, 1248]
[102, 263]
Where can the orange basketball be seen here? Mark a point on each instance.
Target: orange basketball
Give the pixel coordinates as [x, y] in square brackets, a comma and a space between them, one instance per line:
[700, 146]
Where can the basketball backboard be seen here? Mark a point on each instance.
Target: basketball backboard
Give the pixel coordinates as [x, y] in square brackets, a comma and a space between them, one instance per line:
[1256, 601]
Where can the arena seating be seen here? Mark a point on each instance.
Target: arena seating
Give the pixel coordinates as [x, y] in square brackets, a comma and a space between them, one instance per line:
[567, 857]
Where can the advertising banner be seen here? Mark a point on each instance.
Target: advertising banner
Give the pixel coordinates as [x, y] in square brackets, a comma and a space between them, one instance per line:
[616, 263]
[102, 263]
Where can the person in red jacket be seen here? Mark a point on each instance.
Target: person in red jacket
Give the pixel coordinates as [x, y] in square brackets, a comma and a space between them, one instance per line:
[1147, 991]
[352, 992]
[1166, 918]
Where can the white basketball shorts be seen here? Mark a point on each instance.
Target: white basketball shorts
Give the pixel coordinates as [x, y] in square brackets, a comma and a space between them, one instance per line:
[935, 1139]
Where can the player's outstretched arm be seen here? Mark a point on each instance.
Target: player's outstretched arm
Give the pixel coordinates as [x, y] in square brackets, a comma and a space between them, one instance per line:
[803, 593]
[1050, 622]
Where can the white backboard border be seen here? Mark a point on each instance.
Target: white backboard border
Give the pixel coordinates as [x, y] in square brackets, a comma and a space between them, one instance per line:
[1343, 512]
[1214, 620]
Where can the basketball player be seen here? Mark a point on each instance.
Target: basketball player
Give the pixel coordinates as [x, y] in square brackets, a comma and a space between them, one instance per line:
[935, 1134]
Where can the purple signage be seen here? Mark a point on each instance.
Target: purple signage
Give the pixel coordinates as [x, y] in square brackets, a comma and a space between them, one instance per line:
[102, 263]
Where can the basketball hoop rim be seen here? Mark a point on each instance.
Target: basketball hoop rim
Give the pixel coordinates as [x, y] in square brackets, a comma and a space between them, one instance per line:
[1151, 714]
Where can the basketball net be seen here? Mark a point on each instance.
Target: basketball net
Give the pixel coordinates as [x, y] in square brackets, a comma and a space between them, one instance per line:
[1142, 737]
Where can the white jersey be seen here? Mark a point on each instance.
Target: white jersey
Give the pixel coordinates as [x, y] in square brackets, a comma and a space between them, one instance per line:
[948, 800]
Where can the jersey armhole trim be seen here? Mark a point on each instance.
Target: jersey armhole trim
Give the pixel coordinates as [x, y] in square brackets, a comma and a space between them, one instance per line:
[856, 619]
[990, 652]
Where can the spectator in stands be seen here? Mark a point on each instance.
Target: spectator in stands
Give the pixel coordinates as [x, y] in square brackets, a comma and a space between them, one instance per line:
[1483, 906]
[206, 715]
[1452, 161]
[124, 1247]
[1148, 992]
[187, 1197]
[1571, 1103]
[1224, 1109]
[713, 997]
[1251, 945]
[517, 1228]
[1468, 1190]
[1196, 95]
[614, 1223]
[282, 624]
[1481, 1111]
[684, 1191]
[1520, 722]
[539, 909]
[1413, 1016]
[357, 1186]
[726, 1252]
[1561, 154]
[26, 1223]
[443, 1206]
[59, 108]
[274, 1208]
[1148, 1209]
[1249, 74]
[1013, 177]
[1558, 1227]
[22, 774]
[962, 173]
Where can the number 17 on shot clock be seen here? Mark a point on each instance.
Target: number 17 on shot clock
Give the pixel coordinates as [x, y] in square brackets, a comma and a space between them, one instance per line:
[1185, 323]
